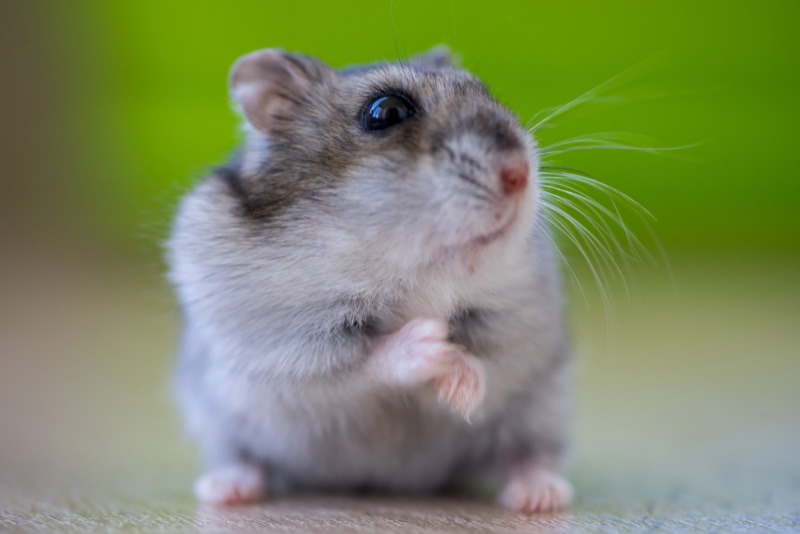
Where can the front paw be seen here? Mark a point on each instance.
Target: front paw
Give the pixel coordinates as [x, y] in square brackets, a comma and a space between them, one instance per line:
[421, 352]
[463, 386]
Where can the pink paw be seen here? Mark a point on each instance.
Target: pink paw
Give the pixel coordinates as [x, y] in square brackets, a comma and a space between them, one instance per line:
[534, 490]
[421, 352]
[463, 385]
[233, 484]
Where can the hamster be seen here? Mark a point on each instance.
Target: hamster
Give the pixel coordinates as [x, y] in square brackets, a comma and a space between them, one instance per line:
[370, 300]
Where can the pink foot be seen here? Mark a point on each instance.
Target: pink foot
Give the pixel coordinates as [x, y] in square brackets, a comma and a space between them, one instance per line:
[533, 489]
[233, 484]
[420, 352]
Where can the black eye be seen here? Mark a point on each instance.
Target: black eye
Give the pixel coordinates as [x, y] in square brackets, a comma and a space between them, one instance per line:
[386, 111]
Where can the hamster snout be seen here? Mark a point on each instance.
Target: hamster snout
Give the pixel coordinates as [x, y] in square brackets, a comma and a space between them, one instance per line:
[490, 169]
[514, 177]
[487, 150]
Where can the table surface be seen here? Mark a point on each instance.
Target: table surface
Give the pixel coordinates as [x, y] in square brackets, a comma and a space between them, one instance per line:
[688, 413]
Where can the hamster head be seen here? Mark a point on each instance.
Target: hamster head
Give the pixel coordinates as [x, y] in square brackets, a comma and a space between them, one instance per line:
[413, 162]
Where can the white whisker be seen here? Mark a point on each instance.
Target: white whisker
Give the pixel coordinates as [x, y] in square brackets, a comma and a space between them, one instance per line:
[588, 212]
[593, 95]
[635, 248]
[545, 231]
[578, 176]
[605, 240]
[609, 141]
[599, 278]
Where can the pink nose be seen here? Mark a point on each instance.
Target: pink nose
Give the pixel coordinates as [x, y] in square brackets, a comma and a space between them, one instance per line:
[514, 178]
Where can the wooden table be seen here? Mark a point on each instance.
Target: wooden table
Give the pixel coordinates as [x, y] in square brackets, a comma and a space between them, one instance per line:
[688, 415]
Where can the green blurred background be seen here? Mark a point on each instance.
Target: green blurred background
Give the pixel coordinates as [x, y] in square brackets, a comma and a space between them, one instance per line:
[109, 110]
[124, 103]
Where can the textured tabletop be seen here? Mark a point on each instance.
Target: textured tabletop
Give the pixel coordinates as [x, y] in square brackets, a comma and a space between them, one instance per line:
[688, 414]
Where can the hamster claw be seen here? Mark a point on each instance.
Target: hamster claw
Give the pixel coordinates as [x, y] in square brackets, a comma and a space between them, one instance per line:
[463, 387]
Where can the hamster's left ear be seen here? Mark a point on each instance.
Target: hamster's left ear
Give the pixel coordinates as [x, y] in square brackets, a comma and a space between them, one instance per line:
[438, 57]
[268, 84]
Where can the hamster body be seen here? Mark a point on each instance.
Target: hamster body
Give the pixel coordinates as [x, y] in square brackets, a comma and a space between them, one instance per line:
[369, 294]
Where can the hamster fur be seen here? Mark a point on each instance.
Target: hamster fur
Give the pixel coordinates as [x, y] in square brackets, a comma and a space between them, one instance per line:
[371, 308]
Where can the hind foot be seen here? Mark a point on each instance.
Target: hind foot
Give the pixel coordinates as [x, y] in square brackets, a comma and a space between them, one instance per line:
[533, 489]
[232, 484]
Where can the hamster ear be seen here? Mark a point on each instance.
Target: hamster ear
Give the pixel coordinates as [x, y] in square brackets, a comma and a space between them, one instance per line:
[438, 57]
[266, 84]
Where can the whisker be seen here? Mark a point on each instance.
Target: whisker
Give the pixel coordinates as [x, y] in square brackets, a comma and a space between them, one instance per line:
[579, 176]
[604, 232]
[540, 225]
[599, 277]
[604, 238]
[637, 249]
[594, 243]
[635, 246]
[588, 213]
[592, 95]
[644, 216]
[610, 141]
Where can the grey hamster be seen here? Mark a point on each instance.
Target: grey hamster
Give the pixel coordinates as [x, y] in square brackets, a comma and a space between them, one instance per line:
[369, 295]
